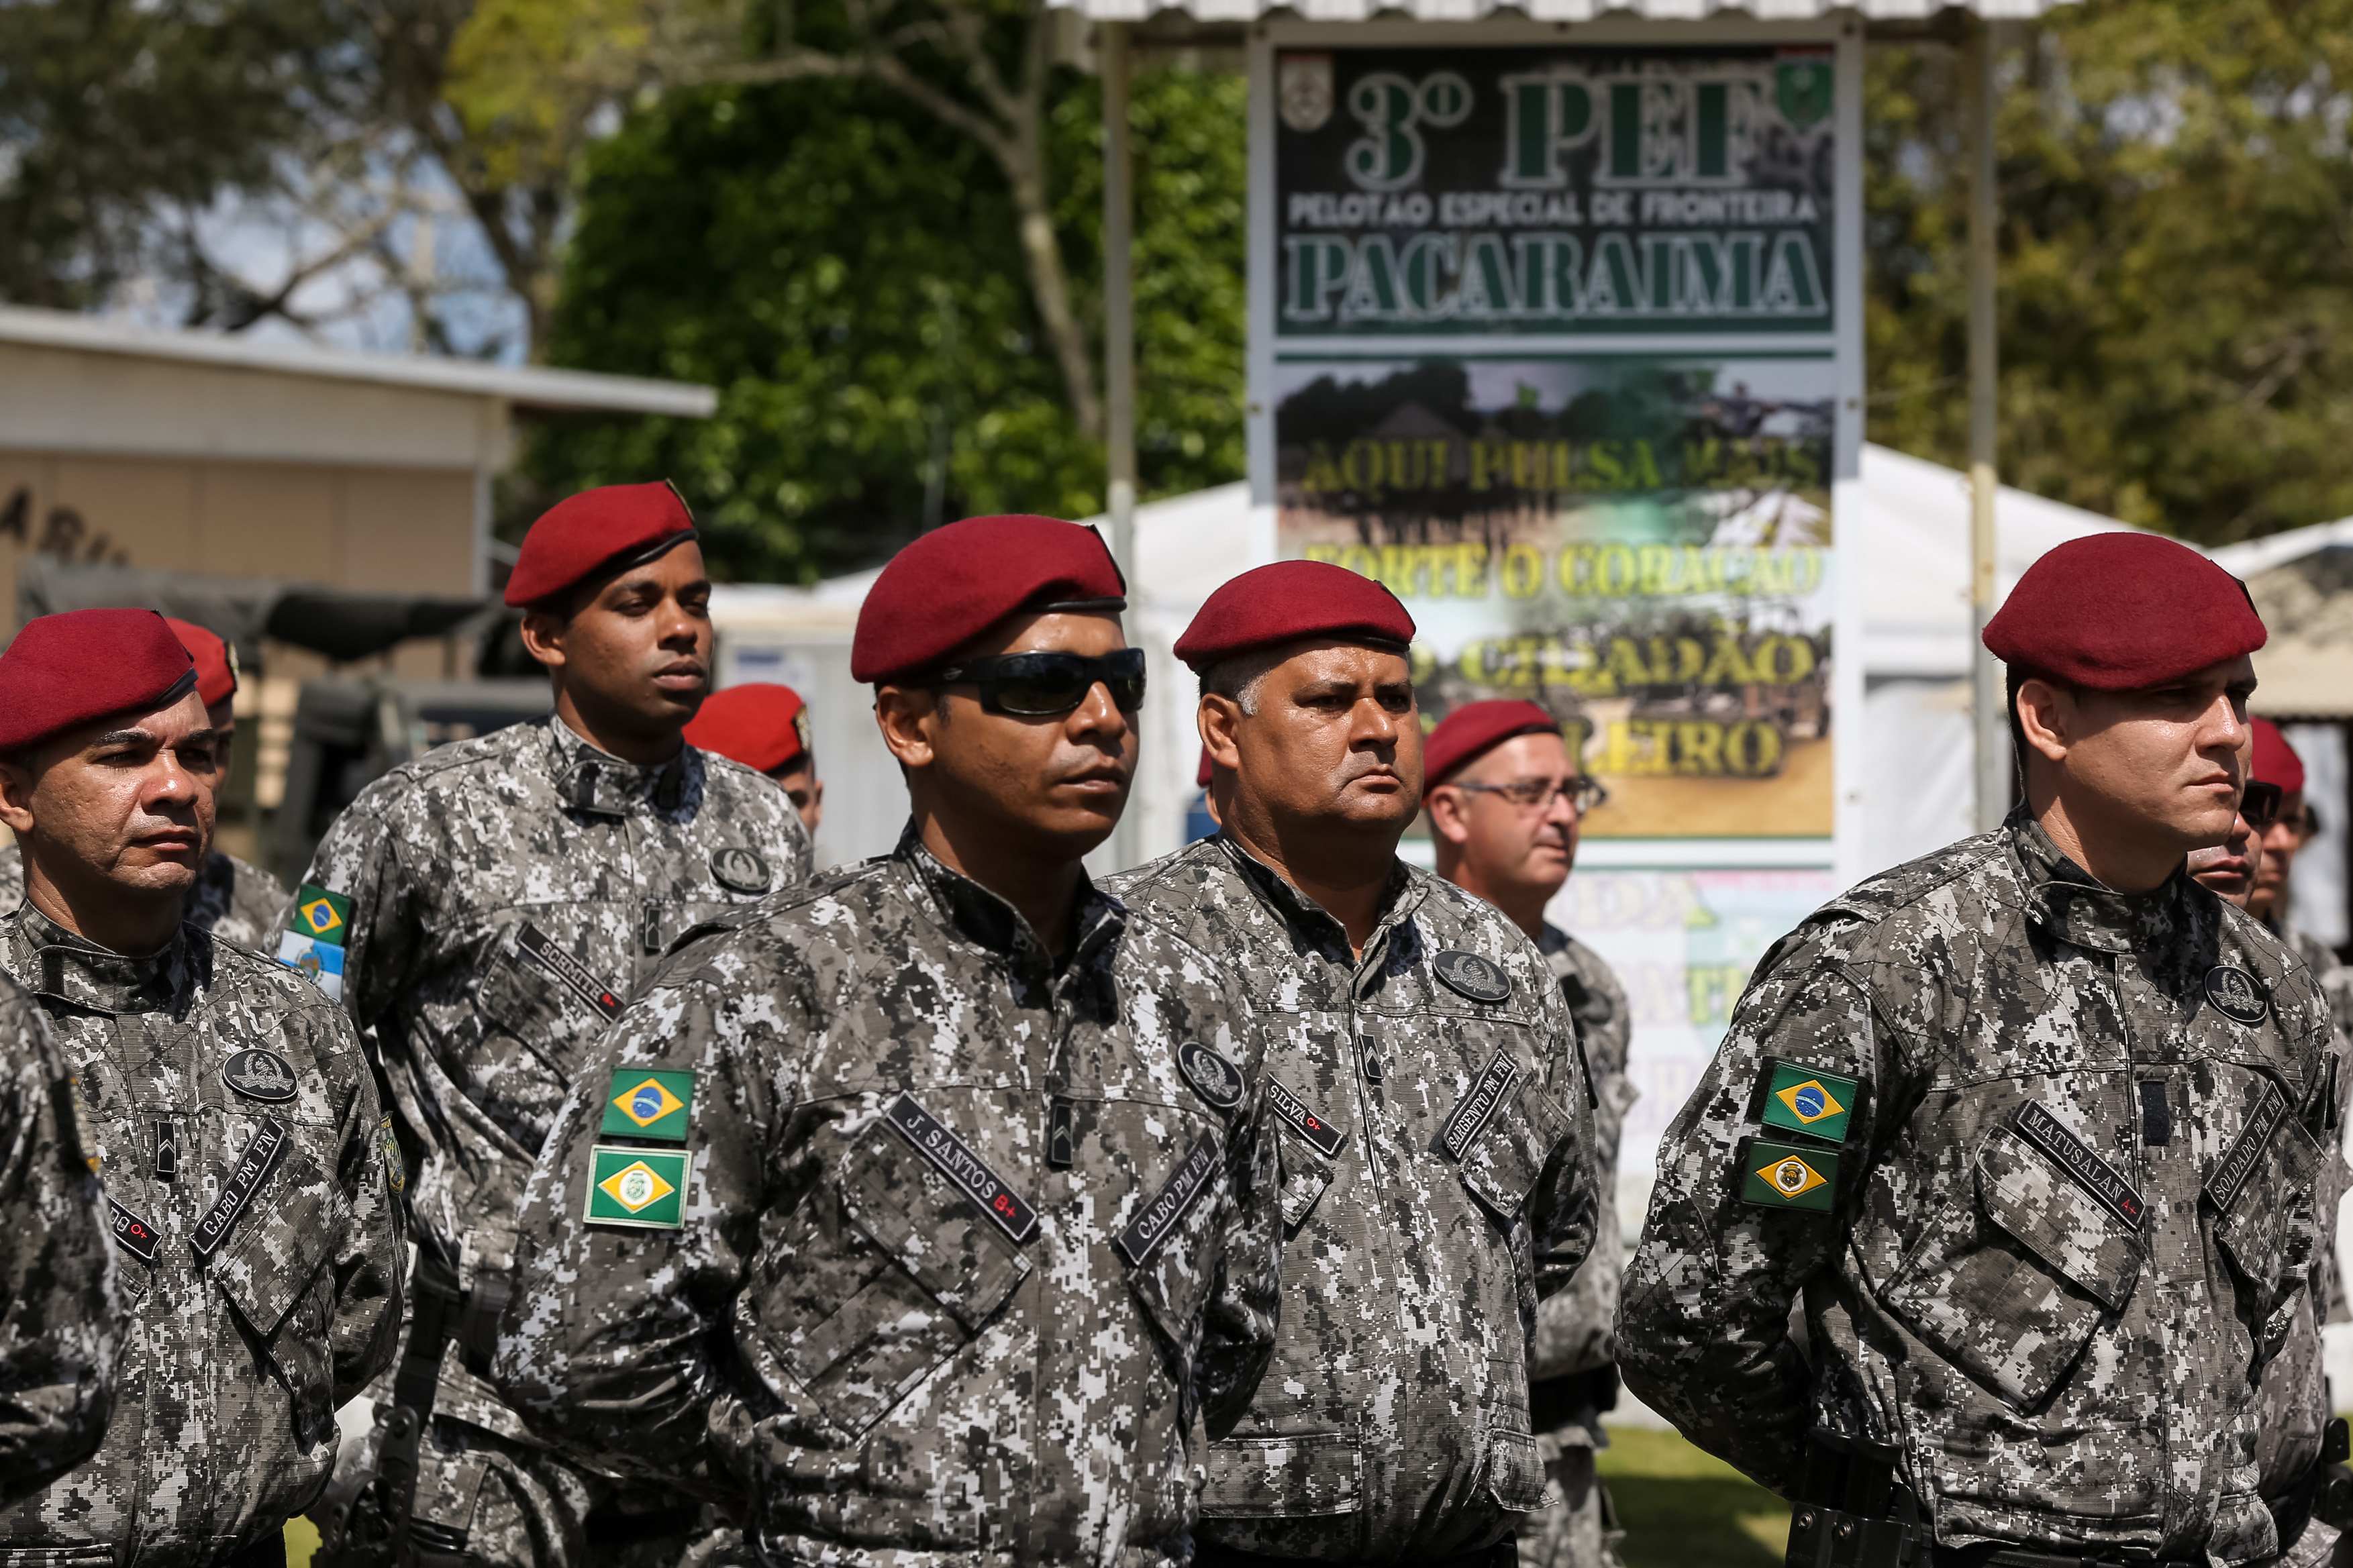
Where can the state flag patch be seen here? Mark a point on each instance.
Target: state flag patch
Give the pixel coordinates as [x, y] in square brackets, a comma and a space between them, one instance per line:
[318, 961]
[641, 1188]
[1786, 1176]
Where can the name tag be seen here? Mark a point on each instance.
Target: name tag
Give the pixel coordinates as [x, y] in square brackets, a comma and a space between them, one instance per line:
[2230, 1178]
[1168, 1208]
[534, 945]
[2076, 1158]
[1455, 1138]
[1319, 1134]
[253, 1167]
[134, 1235]
[961, 1166]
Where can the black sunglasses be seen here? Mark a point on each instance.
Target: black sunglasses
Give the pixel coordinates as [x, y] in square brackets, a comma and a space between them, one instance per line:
[1047, 685]
[2260, 803]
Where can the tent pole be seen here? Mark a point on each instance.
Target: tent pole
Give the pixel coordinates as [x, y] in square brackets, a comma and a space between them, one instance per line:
[1989, 718]
[1119, 356]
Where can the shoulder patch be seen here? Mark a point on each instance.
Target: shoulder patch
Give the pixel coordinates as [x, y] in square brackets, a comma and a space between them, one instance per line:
[396, 1169]
[643, 1103]
[2237, 995]
[1784, 1176]
[1804, 1099]
[742, 868]
[1479, 979]
[640, 1189]
[260, 1073]
[1214, 1077]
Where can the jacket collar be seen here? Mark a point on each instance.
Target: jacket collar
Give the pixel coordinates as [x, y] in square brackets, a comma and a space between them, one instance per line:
[1399, 898]
[989, 922]
[67, 968]
[596, 782]
[2067, 901]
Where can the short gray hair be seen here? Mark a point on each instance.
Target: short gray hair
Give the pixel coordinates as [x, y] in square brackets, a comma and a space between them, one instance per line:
[1238, 675]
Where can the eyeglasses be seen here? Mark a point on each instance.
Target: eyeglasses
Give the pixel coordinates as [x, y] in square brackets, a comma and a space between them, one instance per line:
[1582, 793]
[2260, 803]
[1047, 685]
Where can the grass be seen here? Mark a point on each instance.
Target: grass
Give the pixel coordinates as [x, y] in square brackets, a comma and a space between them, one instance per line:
[1683, 1508]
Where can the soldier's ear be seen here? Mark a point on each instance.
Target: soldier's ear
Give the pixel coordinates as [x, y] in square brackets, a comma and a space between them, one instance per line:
[542, 636]
[1445, 808]
[1217, 719]
[16, 795]
[2046, 718]
[910, 718]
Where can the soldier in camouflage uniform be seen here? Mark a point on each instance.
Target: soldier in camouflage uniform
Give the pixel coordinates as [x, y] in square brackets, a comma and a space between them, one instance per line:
[1436, 1134]
[2032, 1125]
[250, 1176]
[1504, 800]
[484, 911]
[927, 1211]
[61, 1334]
[234, 900]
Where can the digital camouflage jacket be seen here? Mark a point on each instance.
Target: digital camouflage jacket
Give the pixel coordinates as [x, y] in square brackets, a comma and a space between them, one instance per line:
[234, 900]
[1577, 1330]
[483, 912]
[2040, 1160]
[1436, 1150]
[257, 1242]
[60, 1328]
[935, 1252]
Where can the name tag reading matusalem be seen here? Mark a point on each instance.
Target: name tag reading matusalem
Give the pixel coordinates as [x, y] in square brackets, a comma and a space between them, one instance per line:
[2082, 1164]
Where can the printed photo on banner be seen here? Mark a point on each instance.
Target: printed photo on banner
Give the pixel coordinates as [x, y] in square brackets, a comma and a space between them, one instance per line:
[1641, 544]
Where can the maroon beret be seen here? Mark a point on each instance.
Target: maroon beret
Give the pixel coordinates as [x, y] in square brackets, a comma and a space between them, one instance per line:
[1473, 730]
[1288, 601]
[614, 525]
[66, 670]
[955, 583]
[215, 660]
[2275, 762]
[761, 725]
[2118, 611]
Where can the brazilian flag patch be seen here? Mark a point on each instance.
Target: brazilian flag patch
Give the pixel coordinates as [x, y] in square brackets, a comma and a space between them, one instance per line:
[642, 1103]
[644, 1189]
[1788, 1176]
[1801, 1099]
[322, 915]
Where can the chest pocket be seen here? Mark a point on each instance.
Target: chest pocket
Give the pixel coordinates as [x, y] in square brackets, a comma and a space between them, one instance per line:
[2265, 1225]
[539, 990]
[270, 1266]
[2014, 1292]
[929, 1271]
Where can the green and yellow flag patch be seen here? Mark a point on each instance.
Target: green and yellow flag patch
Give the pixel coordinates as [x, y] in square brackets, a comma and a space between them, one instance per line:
[322, 915]
[1799, 1098]
[1788, 1176]
[644, 1188]
[641, 1102]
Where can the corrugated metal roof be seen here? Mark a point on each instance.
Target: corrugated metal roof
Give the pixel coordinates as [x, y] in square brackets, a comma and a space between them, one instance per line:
[1231, 12]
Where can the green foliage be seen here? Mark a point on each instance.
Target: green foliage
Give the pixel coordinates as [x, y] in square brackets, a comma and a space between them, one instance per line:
[2176, 288]
[844, 269]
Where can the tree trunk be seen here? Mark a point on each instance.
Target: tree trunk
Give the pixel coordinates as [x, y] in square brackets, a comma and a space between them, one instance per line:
[1049, 286]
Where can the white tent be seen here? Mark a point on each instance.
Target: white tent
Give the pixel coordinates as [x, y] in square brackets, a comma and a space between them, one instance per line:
[1912, 534]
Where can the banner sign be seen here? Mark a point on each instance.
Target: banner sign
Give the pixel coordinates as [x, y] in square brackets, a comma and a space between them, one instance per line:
[1551, 192]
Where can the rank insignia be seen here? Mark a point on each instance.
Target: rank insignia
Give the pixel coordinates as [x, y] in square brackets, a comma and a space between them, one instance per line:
[641, 1188]
[1784, 1176]
[643, 1104]
[1799, 1098]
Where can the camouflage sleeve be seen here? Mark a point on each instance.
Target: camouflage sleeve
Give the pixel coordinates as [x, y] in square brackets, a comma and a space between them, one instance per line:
[798, 851]
[1703, 1334]
[610, 1346]
[1577, 1330]
[1564, 1207]
[387, 911]
[60, 1321]
[371, 1265]
[1245, 1307]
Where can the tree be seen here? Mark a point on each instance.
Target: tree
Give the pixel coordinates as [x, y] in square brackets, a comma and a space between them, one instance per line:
[847, 269]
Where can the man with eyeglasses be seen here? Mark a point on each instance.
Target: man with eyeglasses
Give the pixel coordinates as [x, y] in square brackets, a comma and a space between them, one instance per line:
[482, 913]
[2031, 1127]
[960, 1216]
[1504, 800]
[1435, 1125]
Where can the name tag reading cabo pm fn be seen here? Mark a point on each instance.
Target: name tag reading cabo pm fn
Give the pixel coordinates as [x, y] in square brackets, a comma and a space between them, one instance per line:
[253, 1167]
[962, 1167]
[1167, 1208]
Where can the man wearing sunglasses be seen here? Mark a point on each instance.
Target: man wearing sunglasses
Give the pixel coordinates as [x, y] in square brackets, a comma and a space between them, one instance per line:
[961, 1214]
[2030, 1126]
[1435, 1126]
[1504, 800]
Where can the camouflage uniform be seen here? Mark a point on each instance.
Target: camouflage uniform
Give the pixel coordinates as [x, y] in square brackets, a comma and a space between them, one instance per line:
[235, 901]
[1436, 1152]
[2066, 1221]
[250, 1183]
[971, 1242]
[1573, 1371]
[505, 897]
[59, 1304]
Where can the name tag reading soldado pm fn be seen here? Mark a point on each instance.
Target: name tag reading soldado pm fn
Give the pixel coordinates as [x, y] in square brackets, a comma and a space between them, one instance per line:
[979, 1184]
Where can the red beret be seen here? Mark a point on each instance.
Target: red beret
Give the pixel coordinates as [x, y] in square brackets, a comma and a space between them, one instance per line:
[2275, 761]
[610, 526]
[956, 582]
[2118, 611]
[1288, 601]
[215, 660]
[66, 670]
[1473, 730]
[763, 726]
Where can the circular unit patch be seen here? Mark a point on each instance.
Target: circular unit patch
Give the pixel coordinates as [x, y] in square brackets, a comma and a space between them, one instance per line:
[742, 869]
[1481, 980]
[1216, 1080]
[2236, 996]
[260, 1074]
